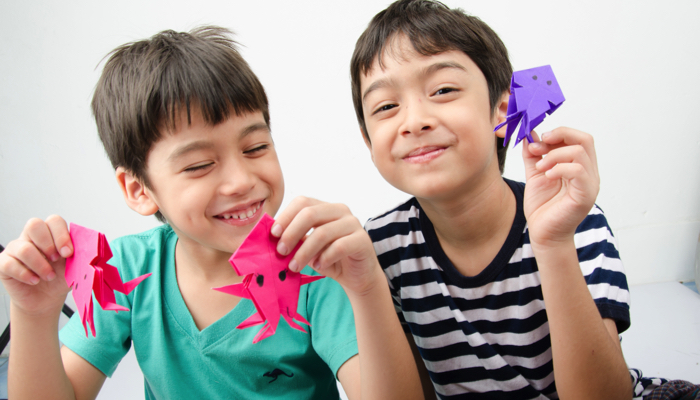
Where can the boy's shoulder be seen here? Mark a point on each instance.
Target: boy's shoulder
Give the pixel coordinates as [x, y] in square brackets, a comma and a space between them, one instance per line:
[406, 216]
[400, 220]
[159, 234]
[406, 223]
[401, 213]
[140, 253]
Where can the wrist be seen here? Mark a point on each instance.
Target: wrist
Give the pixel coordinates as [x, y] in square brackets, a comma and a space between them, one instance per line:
[375, 285]
[555, 253]
[552, 244]
[47, 314]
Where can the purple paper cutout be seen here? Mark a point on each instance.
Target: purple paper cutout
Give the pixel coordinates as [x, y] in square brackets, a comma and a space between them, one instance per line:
[534, 93]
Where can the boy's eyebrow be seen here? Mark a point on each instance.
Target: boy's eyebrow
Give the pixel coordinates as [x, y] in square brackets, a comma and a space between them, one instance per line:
[442, 65]
[193, 146]
[257, 126]
[382, 83]
[206, 145]
[429, 70]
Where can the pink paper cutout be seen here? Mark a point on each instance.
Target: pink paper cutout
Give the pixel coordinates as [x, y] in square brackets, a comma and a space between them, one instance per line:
[534, 94]
[268, 282]
[87, 271]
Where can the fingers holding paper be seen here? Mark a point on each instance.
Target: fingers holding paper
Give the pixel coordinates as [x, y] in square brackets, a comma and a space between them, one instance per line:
[562, 183]
[31, 264]
[338, 247]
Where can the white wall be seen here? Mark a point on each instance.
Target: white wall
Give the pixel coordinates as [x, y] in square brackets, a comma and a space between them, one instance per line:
[627, 68]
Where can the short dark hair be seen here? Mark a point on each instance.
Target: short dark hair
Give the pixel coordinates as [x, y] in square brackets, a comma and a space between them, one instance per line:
[433, 28]
[146, 84]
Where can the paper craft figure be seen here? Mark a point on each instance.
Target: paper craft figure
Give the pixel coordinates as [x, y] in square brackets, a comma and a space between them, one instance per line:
[534, 93]
[268, 282]
[87, 271]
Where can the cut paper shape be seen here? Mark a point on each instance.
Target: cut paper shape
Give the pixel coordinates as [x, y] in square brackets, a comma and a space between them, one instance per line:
[534, 93]
[268, 282]
[87, 271]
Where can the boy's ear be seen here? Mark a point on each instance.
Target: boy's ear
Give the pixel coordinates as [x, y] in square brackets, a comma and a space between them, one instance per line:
[137, 196]
[367, 143]
[501, 112]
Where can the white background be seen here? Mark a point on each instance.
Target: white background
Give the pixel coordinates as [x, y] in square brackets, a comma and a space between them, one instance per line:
[627, 68]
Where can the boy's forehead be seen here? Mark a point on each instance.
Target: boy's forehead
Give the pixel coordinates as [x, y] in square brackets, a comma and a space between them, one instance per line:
[404, 55]
[397, 48]
[192, 118]
[193, 132]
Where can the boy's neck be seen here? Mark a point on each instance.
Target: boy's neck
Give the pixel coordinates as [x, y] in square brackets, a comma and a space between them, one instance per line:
[473, 226]
[207, 265]
[198, 270]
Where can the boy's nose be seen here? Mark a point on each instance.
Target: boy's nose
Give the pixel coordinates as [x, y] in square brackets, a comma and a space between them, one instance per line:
[418, 118]
[236, 179]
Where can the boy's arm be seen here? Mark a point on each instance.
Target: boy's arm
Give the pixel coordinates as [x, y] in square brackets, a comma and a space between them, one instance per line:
[561, 190]
[38, 369]
[340, 248]
[31, 269]
[426, 382]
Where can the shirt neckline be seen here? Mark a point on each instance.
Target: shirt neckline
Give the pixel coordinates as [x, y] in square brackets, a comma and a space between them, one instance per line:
[500, 260]
[220, 329]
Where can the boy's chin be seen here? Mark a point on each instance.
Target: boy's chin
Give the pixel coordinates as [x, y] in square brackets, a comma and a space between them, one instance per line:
[429, 190]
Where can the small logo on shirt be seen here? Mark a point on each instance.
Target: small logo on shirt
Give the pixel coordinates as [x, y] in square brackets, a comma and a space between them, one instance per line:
[275, 373]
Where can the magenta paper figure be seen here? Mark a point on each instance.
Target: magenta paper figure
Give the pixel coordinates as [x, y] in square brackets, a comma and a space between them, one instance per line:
[268, 282]
[534, 93]
[87, 271]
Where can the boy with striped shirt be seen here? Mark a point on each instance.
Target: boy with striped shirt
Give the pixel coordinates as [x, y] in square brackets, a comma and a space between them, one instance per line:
[501, 287]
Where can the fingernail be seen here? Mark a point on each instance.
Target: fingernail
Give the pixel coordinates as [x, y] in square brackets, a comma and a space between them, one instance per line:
[544, 135]
[51, 276]
[65, 251]
[536, 145]
[293, 265]
[317, 264]
[538, 164]
[33, 280]
[276, 230]
[54, 257]
[282, 249]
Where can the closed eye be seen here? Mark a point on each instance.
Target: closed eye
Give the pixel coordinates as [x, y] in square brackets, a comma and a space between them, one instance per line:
[257, 149]
[198, 167]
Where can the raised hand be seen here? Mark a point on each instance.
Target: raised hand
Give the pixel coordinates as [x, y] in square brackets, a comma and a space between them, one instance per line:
[32, 266]
[562, 184]
[338, 247]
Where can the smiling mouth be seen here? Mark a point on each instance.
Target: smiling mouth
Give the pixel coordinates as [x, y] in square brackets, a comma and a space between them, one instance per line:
[424, 154]
[242, 215]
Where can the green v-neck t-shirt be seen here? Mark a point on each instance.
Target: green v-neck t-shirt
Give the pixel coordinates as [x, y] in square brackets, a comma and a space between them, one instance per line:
[179, 361]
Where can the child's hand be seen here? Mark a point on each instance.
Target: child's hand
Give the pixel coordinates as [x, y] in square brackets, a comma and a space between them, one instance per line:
[338, 247]
[561, 187]
[32, 267]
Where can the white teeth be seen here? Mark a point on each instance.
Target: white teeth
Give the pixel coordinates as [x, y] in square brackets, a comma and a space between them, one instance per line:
[243, 214]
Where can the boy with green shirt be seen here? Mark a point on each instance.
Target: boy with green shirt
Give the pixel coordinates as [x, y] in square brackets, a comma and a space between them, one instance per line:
[185, 124]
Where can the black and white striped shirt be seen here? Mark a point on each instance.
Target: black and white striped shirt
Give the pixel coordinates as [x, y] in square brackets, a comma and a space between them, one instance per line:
[487, 336]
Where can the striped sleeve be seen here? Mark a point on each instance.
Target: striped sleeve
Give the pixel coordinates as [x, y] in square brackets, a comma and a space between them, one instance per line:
[602, 268]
